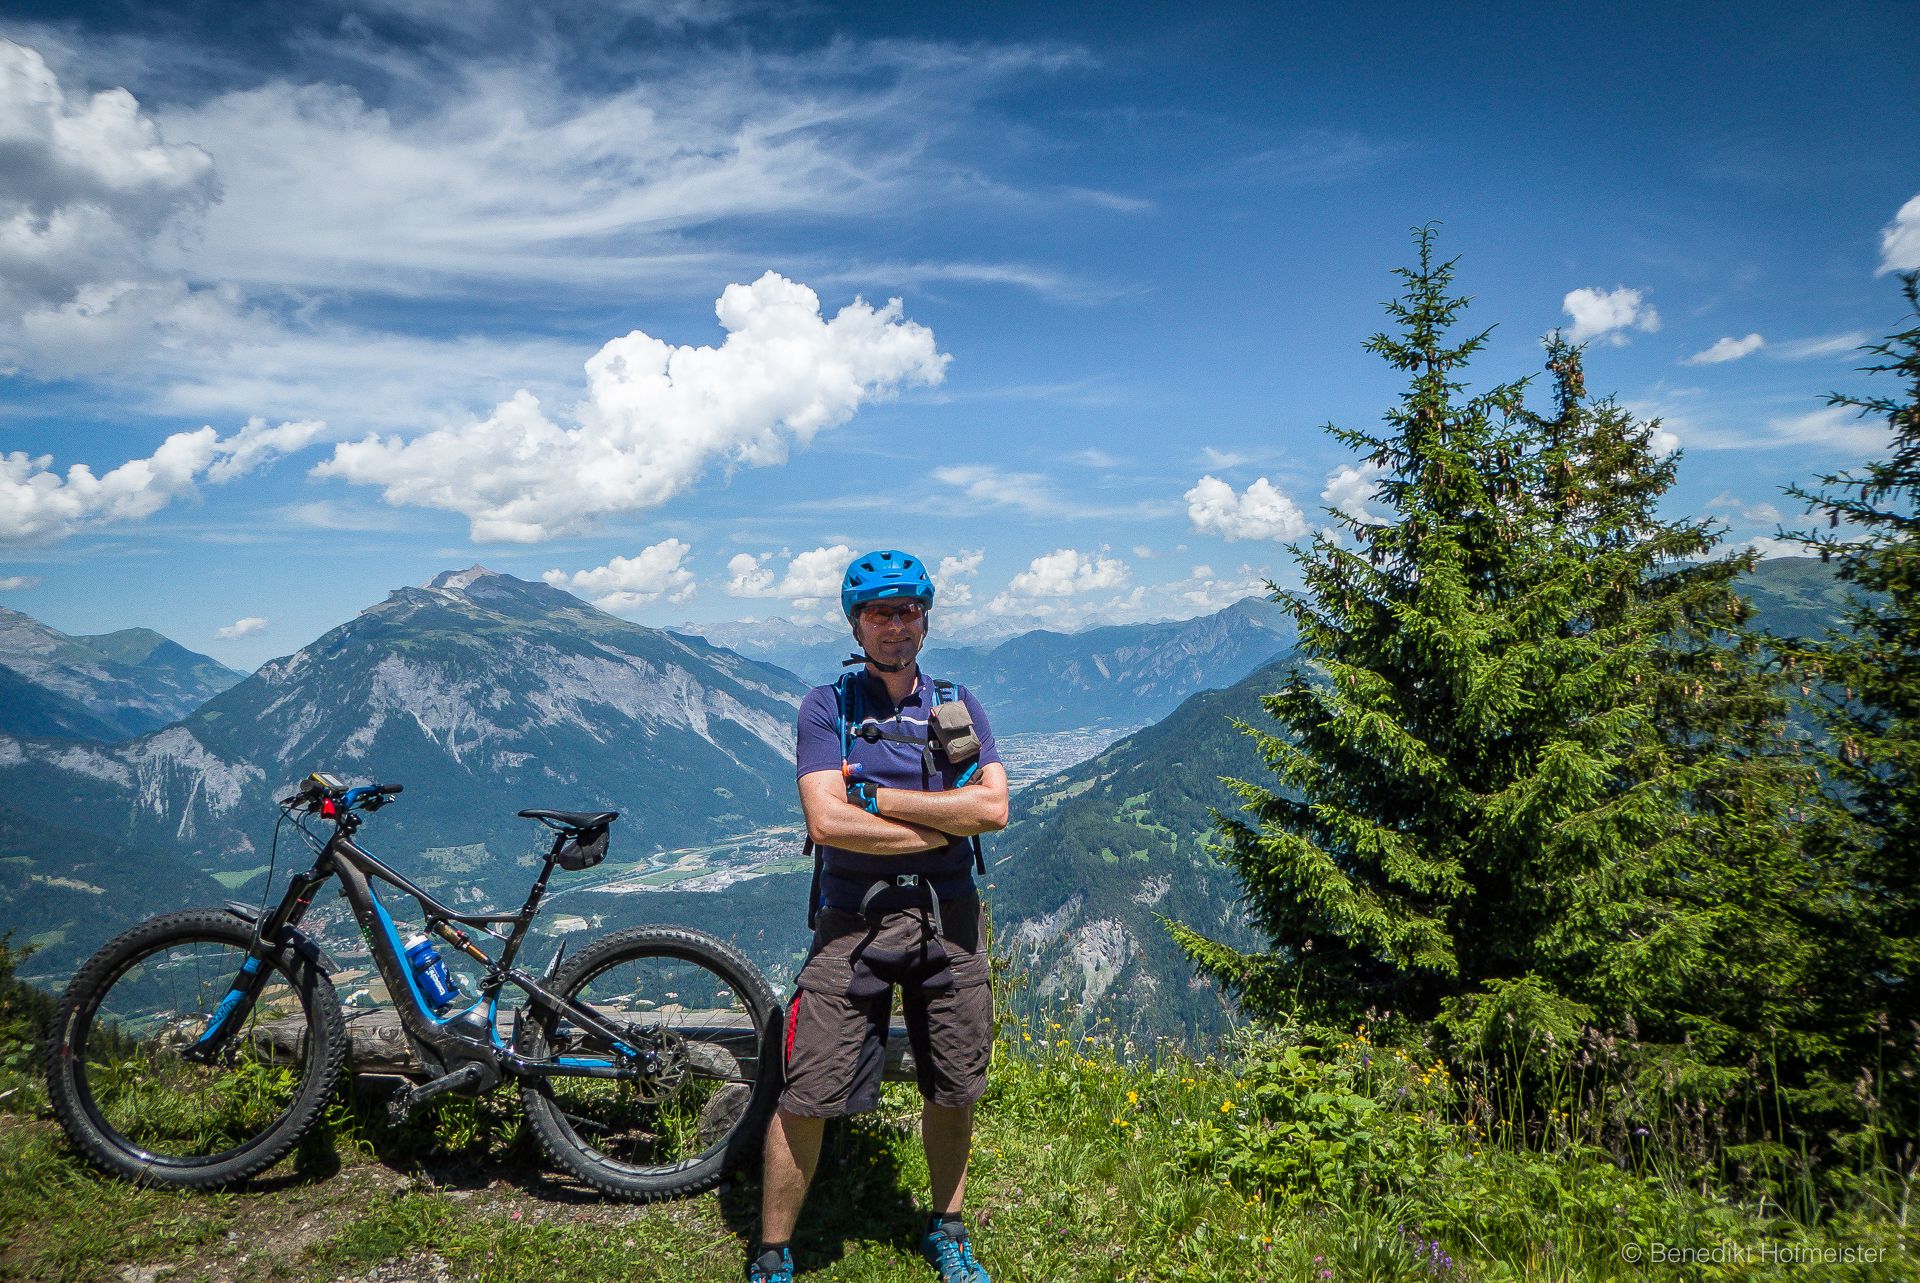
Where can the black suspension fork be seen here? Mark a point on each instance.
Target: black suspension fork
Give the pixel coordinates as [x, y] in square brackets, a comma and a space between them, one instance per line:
[268, 938]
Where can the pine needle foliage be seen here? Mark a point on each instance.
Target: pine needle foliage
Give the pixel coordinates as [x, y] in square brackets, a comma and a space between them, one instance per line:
[1532, 745]
[1863, 682]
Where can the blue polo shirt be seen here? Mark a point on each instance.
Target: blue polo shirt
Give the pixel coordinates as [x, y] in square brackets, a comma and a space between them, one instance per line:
[887, 763]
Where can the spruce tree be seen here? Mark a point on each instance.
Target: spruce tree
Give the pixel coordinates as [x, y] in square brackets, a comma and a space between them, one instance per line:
[1864, 683]
[1730, 939]
[1502, 760]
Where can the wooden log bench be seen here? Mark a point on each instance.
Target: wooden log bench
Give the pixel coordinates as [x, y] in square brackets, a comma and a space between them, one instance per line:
[716, 1041]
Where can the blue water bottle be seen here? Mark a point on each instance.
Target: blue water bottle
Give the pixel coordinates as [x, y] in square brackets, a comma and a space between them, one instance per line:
[430, 972]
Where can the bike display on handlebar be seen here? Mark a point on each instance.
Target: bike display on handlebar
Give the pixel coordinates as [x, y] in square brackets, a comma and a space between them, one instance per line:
[196, 1048]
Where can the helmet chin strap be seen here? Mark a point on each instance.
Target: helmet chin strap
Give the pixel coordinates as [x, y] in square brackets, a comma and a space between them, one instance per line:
[882, 665]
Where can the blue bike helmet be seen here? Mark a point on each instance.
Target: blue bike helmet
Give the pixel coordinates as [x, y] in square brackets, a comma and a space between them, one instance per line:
[881, 576]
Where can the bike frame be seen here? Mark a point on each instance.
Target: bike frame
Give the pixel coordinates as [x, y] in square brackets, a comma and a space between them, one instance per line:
[465, 1036]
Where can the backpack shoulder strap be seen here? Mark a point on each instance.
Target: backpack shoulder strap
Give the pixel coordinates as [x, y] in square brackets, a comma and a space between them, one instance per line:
[945, 692]
[845, 701]
[846, 698]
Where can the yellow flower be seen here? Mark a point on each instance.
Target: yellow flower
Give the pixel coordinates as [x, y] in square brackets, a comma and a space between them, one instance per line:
[1133, 1098]
[1226, 1107]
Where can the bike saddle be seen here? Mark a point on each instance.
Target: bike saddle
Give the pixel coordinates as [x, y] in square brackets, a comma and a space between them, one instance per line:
[572, 821]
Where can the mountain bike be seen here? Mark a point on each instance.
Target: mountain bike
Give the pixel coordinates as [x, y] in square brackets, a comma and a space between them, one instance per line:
[196, 1048]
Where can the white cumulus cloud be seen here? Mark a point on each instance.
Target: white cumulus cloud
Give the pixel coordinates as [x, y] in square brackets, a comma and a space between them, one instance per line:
[954, 572]
[39, 503]
[246, 627]
[1900, 240]
[625, 583]
[1608, 313]
[92, 191]
[1066, 572]
[656, 416]
[1351, 487]
[1262, 512]
[14, 583]
[810, 576]
[1728, 349]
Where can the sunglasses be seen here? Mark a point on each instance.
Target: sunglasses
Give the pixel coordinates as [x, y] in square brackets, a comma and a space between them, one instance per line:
[910, 612]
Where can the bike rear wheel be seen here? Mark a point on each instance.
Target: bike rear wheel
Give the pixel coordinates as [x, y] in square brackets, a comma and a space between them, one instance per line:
[137, 1104]
[706, 1016]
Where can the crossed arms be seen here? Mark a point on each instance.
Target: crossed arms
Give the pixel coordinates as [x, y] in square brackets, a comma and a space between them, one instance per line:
[909, 820]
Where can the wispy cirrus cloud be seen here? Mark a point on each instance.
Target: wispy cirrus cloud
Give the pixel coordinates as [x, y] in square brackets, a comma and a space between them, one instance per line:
[200, 253]
[1823, 345]
[1839, 428]
[1030, 493]
[1727, 349]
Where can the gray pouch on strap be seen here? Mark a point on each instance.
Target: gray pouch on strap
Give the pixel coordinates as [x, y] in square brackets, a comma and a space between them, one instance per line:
[951, 727]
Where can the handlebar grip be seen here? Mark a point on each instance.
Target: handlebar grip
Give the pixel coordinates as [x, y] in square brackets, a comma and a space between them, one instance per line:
[387, 790]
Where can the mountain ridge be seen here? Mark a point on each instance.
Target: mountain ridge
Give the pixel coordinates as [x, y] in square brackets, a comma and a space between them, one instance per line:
[105, 688]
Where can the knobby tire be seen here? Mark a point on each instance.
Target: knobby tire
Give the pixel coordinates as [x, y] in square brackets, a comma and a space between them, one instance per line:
[596, 1130]
[113, 1054]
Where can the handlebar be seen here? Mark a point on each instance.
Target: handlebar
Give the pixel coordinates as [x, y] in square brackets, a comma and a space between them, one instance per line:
[324, 794]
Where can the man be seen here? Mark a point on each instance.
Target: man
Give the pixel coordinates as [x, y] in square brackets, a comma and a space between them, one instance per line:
[898, 777]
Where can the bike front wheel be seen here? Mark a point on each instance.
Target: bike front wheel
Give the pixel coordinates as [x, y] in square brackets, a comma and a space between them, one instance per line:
[138, 1095]
[704, 1019]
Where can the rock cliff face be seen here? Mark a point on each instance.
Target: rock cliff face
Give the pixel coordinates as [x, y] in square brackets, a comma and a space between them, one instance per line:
[106, 688]
[483, 694]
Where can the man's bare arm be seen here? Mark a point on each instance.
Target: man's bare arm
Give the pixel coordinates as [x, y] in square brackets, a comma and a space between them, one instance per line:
[980, 807]
[834, 821]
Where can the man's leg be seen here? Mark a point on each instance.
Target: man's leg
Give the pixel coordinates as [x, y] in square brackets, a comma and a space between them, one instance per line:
[947, 1135]
[793, 1150]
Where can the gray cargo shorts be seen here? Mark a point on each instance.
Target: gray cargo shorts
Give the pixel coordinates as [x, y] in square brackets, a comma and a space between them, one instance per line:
[836, 1034]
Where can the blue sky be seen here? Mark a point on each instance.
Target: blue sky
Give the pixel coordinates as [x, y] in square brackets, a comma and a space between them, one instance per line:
[327, 298]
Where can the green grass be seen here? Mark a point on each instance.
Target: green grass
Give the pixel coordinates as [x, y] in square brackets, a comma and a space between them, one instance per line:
[233, 879]
[1292, 1158]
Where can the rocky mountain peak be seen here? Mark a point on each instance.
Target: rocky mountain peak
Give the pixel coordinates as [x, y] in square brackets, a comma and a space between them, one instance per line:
[461, 580]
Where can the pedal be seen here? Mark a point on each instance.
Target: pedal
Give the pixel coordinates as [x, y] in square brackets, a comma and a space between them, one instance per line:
[406, 1100]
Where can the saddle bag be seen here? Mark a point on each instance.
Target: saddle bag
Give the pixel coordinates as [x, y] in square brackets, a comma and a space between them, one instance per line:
[583, 850]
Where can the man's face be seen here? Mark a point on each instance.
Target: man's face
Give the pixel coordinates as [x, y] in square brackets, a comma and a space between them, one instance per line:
[891, 631]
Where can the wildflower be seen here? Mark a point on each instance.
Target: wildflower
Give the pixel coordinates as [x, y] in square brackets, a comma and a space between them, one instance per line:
[1226, 1107]
[1133, 1098]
